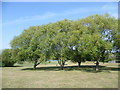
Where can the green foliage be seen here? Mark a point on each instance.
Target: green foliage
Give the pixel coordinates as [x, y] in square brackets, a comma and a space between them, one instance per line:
[117, 46]
[6, 58]
[87, 39]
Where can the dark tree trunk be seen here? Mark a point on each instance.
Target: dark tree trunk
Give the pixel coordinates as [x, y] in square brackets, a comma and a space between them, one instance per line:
[103, 56]
[79, 63]
[97, 65]
[61, 63]
[35, 64]
[62, 67]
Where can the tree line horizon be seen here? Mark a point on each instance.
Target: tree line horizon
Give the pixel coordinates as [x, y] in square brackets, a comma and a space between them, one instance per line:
[93, 38]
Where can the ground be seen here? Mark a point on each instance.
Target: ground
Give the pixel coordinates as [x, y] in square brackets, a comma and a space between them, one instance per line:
[50, 76]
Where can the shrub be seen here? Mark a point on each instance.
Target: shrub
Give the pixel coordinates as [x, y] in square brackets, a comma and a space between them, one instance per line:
[6, 58]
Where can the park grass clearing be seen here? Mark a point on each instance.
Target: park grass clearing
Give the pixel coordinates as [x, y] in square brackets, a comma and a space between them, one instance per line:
[49, 75]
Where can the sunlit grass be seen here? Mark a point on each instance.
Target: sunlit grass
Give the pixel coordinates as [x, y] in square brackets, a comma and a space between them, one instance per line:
[50, 76]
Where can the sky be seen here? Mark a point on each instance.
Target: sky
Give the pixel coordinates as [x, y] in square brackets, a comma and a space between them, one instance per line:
[17, 16]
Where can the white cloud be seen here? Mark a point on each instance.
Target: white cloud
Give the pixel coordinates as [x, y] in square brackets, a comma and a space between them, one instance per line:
[31, 18]
[110, 6]
[77, 11]
[49, 15]
[112, 9]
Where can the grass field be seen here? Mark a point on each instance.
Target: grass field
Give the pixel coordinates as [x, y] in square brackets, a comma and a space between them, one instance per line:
[49, 75]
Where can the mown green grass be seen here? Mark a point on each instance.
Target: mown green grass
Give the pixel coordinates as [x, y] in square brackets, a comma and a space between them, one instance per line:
[50, 76]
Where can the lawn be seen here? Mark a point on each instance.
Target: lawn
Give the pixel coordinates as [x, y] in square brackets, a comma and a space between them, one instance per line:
[49, 75]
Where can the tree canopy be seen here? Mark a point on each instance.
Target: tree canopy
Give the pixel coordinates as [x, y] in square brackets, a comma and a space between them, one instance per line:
[88, 39]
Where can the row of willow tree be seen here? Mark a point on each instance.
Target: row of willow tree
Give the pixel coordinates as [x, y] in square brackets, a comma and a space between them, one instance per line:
[93, 38]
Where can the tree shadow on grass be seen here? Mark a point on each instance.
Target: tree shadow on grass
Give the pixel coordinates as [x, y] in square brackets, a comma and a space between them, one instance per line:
[84, 68]
[12, 66]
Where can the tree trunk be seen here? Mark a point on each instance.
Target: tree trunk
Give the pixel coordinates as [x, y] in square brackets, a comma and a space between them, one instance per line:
[97, 65]
[61, 67]
[79, 63]
[61, 63]
[35, 64]
[103, 56]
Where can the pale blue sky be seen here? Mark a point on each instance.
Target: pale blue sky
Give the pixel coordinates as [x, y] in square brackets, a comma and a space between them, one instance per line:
[17, 16]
